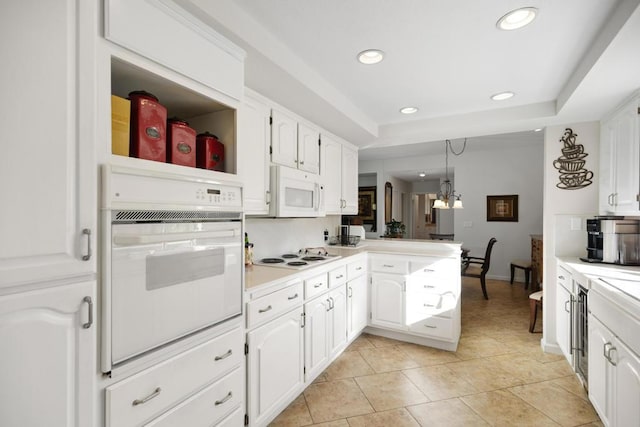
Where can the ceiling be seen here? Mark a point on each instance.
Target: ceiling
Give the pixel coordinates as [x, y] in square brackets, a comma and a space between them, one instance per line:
[575, 62]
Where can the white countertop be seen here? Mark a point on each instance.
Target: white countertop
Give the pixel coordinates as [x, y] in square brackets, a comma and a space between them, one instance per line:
[624, 278]
[258, 275]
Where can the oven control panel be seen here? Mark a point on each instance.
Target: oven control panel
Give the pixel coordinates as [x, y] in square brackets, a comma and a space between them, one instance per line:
[140, 190]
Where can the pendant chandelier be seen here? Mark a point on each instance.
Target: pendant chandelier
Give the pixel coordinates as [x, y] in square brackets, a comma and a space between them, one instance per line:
[447, 193]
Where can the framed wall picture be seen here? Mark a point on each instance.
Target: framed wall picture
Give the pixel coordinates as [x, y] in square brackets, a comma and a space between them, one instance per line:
[502, 208]
[367, 204]
[388, 193]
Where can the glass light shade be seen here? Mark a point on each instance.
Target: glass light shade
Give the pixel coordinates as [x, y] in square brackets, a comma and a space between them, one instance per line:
[438, 204]
[502, 96]
[457, 204]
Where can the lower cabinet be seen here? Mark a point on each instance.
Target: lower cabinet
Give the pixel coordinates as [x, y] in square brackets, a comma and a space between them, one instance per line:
[275, 365]
[564, 313]
[325, 332]
[198, 387]
[387, 300]
[47, 361]
[419, 295]
[357, 299]
[614, 368]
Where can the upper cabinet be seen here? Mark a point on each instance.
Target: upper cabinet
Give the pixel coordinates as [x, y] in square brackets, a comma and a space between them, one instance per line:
[165, 33]
[293, 143]
[339, 171]
[620, 160]
[253, 161]
[202, 85]
[48, 177]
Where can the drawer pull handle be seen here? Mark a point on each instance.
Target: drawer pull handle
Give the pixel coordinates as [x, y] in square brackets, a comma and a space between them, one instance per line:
[428, 270]
[340, 276]
[264, 310]
[561, 277]
[429, 305]
[292, 297]
[224, 399]
[155, 393]
[87, 232]
[387, 265]
[358, 268]
[224, 356]
[89, 302]
[429, 286]
[430, 326]
[318, 285]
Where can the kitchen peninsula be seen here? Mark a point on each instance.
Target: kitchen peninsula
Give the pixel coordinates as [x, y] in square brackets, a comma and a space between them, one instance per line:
[299, 321]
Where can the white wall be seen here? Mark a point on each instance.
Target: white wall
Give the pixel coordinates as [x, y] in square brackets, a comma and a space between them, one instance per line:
[560, 207]
[503, 170]
[276, 236]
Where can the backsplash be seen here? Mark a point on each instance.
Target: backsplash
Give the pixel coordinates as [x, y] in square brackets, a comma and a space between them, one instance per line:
[276, 236]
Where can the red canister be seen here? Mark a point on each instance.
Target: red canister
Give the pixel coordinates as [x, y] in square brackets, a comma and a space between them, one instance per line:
[209, 152]
[148, 127]
[181, 143]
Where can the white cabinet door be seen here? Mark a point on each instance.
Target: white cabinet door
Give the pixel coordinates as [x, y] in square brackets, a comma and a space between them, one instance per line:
[284, 139]
[275, 365]
[48, 183]
[349, 181]
[356, 306]
[48, 357]
[316, 334]
[564, 302]
[620, 161]
[308, 149]
[627, 386]
[600, 370]
[253, 165]
[330, 171]
[387, 301]
[337, 320]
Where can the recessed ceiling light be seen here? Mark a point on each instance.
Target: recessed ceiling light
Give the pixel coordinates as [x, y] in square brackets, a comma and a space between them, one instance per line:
[502, 96]
[370, 56]
[422, 174]
[517, 18]
[409, 110]
[537, 129]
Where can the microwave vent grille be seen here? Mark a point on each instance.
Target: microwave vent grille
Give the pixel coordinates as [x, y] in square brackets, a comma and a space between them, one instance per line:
[129, 216]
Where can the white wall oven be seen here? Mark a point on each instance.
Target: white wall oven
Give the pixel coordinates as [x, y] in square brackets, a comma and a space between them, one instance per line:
[295, 193]
[173, 260]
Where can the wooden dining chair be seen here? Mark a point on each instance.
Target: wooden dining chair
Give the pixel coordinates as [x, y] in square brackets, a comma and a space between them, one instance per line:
[478, 267]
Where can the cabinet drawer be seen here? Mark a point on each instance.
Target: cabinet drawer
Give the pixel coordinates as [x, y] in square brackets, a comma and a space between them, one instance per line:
[432, 284]
[337, 276]
[357, 268]
[315, 285]
[269, 306]
[564, 279]
[423, 305]
[389, 264]
[235, 419]
[437, 327]
[206, 407]
[434, 267]
[145, 395]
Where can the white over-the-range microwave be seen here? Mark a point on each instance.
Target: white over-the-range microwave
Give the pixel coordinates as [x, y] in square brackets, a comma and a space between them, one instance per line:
[295, 193]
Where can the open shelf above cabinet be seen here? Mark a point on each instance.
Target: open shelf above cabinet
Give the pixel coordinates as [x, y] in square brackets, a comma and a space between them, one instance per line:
[203, 113]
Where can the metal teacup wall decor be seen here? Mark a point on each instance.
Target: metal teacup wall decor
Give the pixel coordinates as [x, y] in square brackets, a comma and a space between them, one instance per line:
[570, 165]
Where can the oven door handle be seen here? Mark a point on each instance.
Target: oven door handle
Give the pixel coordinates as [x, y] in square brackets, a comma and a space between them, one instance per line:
[144, 239]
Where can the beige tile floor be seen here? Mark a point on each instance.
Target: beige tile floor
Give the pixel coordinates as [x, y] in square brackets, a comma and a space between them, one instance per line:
[498, 376]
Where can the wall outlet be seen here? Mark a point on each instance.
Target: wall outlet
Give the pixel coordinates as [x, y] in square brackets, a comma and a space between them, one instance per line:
[467, 224]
